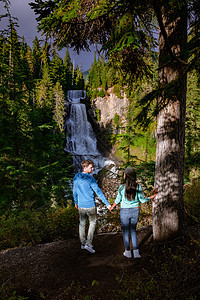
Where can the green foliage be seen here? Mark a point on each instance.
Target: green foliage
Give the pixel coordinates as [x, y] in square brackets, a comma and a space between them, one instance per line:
[78, 79]
[126, 141]
[117, 91]
[59, 110]
[101, 93]
[36, 59]
[95, 73]
[135, 144]
[146, 144]
[68, 68]
[116, 120]
[94, 93]
[30, 227]
[192, 126]
[7, 289]
[125, 33]
[145, 174]
[98, 115]
[64, 222]
[44, 89]
[171, 273]
[192, 199]
[105, 74]
[35, 171]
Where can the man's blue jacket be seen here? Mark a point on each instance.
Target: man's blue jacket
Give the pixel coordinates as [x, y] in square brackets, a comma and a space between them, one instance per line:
[84, 189]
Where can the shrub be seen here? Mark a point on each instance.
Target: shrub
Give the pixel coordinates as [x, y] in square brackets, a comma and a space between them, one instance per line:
[117, 91]
[94, 93]
[116, 119]
[98, 114]
[22, 228]
[64, 222]
[101, 93]
[192, 198]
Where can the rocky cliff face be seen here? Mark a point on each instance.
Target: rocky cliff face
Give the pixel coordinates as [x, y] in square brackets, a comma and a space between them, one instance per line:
[110, 105]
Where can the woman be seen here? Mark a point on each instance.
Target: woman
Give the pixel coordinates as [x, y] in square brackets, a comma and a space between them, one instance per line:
[129, 196]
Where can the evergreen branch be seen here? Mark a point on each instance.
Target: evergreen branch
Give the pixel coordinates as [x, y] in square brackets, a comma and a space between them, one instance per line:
[164, 33]
[144, 118]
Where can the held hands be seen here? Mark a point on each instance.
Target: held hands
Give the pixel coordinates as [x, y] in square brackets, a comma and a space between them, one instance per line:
[112, 207]
[109, 207]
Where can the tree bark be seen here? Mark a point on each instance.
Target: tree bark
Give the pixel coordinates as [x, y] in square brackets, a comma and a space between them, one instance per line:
[168, 208]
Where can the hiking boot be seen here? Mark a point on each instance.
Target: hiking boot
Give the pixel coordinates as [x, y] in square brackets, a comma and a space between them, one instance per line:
[127, 253]
[89, 248]
[136, 253]
[82, 246]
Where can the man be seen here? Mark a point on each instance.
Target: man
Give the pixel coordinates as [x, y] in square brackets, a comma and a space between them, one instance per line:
[84, 189]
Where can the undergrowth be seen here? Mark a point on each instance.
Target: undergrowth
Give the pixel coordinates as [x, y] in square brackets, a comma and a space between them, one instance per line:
[30, 227]
[170, 272]
[192, 199]
[7, 289]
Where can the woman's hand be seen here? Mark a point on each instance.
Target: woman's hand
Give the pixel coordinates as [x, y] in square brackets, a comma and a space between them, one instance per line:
[113, 206]
[154, 193]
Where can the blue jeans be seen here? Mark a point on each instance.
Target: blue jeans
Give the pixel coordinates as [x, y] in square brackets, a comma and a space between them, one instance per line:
[129, 218]
[91, 213]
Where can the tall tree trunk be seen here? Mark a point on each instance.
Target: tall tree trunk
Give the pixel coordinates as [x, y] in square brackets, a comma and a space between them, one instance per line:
[168, 210]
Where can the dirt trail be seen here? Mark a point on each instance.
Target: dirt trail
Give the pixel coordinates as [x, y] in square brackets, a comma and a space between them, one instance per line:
[61, 270]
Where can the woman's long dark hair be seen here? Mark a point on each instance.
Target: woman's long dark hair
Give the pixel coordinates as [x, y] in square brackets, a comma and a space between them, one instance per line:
[130, 183]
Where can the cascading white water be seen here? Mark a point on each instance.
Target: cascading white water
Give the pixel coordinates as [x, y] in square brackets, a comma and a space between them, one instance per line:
[81, 141]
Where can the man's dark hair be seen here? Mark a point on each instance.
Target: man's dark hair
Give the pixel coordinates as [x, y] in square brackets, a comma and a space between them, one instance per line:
[86, 163]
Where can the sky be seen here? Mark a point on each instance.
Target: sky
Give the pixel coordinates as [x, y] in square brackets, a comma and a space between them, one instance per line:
[28, 28]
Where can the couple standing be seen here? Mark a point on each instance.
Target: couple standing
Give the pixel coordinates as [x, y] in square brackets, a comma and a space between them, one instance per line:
[129, 196]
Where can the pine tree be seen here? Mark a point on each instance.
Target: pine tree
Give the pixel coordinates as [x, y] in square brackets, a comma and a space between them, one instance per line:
[44, 89]
[103, 76]
[45, 54]
[25, 66]
[68, 67]
[36, 59]
[59, 110]
[57, 69]
[79, 81]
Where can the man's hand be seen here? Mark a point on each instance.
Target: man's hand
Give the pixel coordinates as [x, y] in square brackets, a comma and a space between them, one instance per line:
[76, 206]
[109, 207]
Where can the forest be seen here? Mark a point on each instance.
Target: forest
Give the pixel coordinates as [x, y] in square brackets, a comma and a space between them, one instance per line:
[161, 77]
[35, 170]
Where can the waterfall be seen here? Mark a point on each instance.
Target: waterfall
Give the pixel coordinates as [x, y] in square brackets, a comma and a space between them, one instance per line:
[81, 141]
